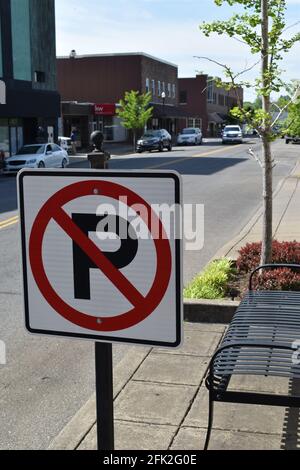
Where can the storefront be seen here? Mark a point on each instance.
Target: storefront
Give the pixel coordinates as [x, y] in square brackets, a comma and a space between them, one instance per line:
[11, 136]
[107, 121]
[84, 118]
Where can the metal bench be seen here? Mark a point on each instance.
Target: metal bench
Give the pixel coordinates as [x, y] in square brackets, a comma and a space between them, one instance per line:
[261, 340]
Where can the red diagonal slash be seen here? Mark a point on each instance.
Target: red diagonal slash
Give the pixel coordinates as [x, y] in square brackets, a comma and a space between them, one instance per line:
[100, 260]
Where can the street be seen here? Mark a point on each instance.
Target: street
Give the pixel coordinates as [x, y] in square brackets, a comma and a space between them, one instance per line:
[46, 380]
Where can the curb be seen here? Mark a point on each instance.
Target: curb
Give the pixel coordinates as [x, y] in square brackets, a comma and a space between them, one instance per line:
[209, 311]
[82, 422]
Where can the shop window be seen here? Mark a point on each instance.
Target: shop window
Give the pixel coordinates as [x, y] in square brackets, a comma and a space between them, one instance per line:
[4, 137]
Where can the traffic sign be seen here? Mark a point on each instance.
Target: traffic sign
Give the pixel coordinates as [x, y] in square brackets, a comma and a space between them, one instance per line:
[100, 260]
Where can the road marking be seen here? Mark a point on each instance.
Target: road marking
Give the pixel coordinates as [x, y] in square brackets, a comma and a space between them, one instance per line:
[9, 222]
[184, 159]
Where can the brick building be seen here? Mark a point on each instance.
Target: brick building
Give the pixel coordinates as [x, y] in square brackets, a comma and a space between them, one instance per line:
[219, 103]
[193, 102]
[205, 105]
[98, 82]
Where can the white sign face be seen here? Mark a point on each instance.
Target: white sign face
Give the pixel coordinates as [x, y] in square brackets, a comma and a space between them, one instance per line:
[101, 254]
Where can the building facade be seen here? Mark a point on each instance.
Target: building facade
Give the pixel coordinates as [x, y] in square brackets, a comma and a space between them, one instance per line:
[219, 103]
[100, 81]
[206, 105]
[193, 101]
[31, 107]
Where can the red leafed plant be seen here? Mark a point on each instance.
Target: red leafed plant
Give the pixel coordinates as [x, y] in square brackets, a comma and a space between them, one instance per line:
[282, 252]
[277, 279]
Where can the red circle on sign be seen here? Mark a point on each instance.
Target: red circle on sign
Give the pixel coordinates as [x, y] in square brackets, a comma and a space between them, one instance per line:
[142, 306]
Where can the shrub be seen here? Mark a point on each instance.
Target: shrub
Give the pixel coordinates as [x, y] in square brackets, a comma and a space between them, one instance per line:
[277, 279]
[282, 252]
[212, 283]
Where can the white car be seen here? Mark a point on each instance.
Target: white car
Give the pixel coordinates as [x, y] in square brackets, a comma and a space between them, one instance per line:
[37, 156]
[190, 136]
[232, 134]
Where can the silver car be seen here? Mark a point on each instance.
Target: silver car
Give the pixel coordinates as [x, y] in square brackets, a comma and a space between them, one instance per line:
[37, 156]
[190, 136]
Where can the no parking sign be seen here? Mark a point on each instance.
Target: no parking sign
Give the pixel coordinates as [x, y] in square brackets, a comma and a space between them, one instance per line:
[101, 255]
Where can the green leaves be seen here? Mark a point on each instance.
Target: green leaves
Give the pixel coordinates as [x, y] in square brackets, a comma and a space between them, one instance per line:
[246, 26]
[135, 110]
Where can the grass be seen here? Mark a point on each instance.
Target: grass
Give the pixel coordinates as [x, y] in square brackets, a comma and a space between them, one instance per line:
[212, 282]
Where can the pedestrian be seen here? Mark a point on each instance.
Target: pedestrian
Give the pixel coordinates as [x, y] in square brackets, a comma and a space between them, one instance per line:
[73, 141]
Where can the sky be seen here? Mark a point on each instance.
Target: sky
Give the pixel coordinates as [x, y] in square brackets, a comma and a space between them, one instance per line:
[167, 29]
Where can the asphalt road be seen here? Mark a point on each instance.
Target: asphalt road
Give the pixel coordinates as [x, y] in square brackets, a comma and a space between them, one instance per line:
[46, 380]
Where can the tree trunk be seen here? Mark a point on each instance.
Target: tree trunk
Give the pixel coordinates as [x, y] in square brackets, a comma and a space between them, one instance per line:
[266, 253]
[134, 140]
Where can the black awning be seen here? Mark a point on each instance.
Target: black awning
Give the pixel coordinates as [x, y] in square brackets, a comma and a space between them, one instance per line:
[167, 111]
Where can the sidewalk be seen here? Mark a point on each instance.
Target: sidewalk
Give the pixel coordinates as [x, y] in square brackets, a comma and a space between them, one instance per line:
[161, 401]
[286, 218]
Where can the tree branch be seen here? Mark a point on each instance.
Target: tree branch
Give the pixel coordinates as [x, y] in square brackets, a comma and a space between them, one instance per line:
[256, 157]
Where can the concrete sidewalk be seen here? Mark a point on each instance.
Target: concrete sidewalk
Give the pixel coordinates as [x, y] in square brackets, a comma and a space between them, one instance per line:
[161, 403]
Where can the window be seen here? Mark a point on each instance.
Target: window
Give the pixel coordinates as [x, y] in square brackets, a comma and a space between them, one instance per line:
[4, 136]
[169, 90]
[1, 66]
[158, 88]
[194, 122]
[210, 92]
[39, 77]
[153, 87]
[20, 24]
[221, 100]
[183, 97]
[164, 87]
[174, 90]
[147, 85]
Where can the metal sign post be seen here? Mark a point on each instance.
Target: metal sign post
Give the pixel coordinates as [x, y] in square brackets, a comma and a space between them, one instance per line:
[104, 396]
[103, 358]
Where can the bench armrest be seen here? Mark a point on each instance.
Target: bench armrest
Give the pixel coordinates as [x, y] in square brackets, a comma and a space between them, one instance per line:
[272, 266]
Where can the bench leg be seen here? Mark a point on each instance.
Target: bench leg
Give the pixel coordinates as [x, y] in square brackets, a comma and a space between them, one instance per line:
[210, 420]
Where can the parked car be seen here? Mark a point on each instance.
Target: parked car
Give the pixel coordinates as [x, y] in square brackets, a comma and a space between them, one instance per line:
[154, 140]
[37, 156]
[190, 136]
[295, 139]
[65, 143]
[232, 134]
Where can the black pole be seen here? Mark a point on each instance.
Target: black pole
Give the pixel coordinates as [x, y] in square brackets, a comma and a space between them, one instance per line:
[104, 396]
